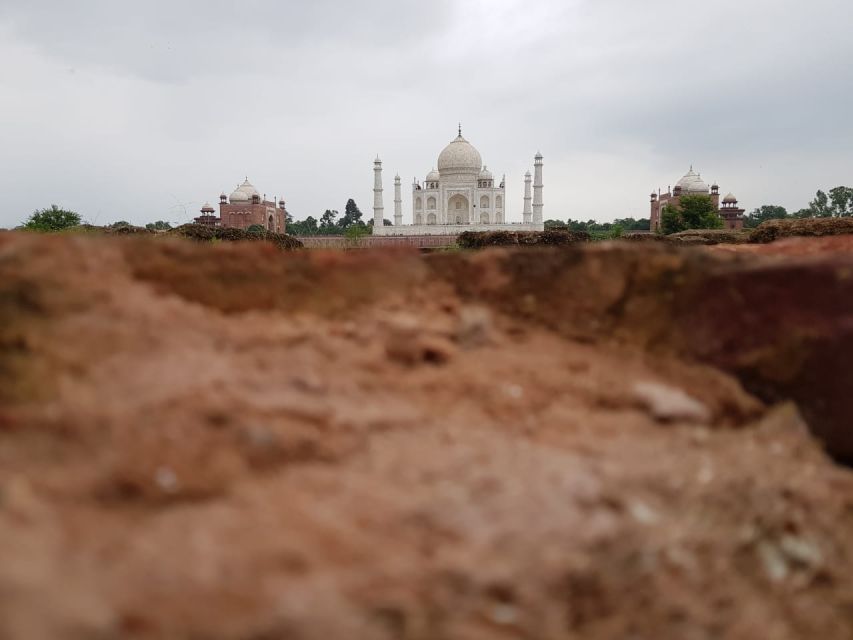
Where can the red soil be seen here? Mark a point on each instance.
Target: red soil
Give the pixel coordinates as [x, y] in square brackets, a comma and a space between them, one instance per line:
[231, 442]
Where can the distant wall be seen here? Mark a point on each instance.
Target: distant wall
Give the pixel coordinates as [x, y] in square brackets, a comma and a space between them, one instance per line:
[369, 242]
[450, 229]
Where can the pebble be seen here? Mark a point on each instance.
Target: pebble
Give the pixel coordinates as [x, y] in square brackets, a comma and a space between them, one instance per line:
[668, 404]
[642, 513]
[504, 614]
[514, 391]
[166, 479]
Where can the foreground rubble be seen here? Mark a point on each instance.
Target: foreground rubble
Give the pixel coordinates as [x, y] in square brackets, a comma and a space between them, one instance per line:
[596, 442]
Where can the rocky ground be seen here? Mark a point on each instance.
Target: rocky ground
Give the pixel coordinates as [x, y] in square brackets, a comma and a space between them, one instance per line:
[612, 441]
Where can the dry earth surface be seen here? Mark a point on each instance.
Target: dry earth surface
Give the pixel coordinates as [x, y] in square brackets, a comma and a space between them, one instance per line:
[231, 442]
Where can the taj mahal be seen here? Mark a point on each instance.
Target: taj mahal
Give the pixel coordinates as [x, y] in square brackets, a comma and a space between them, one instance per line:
[460, 196]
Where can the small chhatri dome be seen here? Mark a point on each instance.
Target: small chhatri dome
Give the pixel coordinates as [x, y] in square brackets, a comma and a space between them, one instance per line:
[460, 156]
[433, 176]
[207, 208]
[485, 174]
[730, 199]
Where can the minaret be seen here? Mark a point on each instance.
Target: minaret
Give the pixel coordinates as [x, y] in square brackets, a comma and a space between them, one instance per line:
[398, 203]
[527, 199]
[378, 209]
[537, 191]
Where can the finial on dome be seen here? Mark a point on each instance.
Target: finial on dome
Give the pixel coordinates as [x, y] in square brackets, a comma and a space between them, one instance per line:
[460, 129]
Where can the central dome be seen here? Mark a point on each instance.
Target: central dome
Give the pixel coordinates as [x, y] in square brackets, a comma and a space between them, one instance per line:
[692, 183]
[460, 156]
[244, 192]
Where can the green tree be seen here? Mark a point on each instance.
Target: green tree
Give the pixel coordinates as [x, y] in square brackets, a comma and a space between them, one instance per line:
[352, 215]
[841, 201]
[328, 223]
[307, 227]
[160, 225]
[838, 203]
[52, 219]
[633, 224]
[692, 212]
[765, 213]
[256, 229]
[357, 230]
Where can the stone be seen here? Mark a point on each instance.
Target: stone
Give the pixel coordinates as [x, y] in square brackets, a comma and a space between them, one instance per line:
[670, 404]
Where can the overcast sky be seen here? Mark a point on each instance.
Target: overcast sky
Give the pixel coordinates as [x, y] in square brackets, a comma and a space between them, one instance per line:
[143, 110]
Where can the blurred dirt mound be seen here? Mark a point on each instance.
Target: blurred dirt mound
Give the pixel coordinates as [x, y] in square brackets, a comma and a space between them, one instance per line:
[227, 441]
[127, 230]
[643, 237]
[795, 246]
[204, 233]
[483, 239]
[775, 229]
[708, 237]
[693, 237]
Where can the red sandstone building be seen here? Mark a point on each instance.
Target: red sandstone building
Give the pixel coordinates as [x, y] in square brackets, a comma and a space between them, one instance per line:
[243, 208]
[692, 184]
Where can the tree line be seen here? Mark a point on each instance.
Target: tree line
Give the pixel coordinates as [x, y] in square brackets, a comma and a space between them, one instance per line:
[351, 224]
[836, 203]
[694, 212]
[616, 227]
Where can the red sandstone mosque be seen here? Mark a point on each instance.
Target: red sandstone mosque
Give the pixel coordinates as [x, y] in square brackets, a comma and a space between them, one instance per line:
[692, 184]
[243, 208]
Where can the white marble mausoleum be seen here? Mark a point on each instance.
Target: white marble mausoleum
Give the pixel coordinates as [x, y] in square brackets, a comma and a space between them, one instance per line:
[460, 196]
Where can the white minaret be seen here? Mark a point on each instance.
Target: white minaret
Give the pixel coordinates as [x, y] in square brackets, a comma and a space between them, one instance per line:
[527, 199]
[537, 190]
[398, 202]
[378, 209]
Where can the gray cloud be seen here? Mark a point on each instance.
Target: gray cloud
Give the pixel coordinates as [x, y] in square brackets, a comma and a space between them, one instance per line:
[145, 112]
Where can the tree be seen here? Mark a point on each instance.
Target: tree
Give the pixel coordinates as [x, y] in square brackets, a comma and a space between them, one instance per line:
[160, 225]
[763, 214]
[352, 215]
[357, 230]
[307, 227]
[52, 219]
[841, 200]
[837, 204]
[328, 225]
[691, 212]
